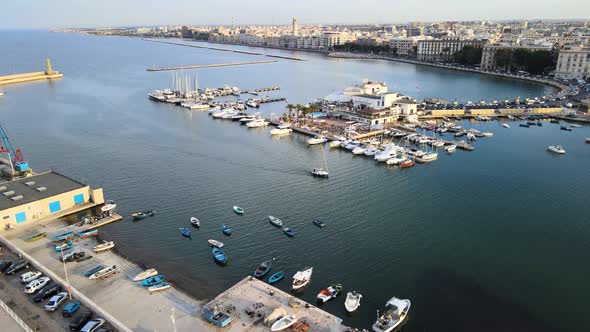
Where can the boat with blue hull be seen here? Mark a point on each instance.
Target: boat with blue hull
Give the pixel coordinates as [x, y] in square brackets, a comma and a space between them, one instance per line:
[263, 269]
[216, 317]
[93, 271]
[226, 230]
[63, 237]
[288, 231]
[276, 277]
[64, 246]
[89, 233]
[219, 256]
[185, 232]
[151, 281]
[318, 222]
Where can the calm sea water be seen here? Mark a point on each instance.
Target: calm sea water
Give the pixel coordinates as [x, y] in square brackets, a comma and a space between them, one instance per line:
[492, 240]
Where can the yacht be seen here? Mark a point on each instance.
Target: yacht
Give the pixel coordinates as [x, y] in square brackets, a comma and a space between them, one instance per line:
[556, 148]
[282, 129]
[351, 145]
[451, 148]
[360, 149]
[247, 118]
[389, 152]
[257, 123]
[219, 113]
[396, 311]
[371, 151]
[335, 144]
[317, 140]
[505, 125]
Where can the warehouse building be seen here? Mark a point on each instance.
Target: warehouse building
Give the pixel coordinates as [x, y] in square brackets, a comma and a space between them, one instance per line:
[30, 199]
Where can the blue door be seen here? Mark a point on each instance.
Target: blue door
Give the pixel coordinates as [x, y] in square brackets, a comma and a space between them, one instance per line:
[54, 206]
[20, 217]
[78, 199]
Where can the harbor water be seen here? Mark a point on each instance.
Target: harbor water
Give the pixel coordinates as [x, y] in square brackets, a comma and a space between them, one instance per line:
[494, 239]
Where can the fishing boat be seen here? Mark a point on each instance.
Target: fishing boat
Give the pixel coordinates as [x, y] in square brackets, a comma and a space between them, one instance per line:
[153, 280]
[104, 272]
[63, 237]
[238, 210]
[525, 125]
[142, 215]
[505, 125]
[219, 256]
[565, 128]
[185, 232]
[226, 230]
[288, 231]
[556, 149]
[215, 243]
[320, 172]
[284, 323]
[145, 274]
[104, 246]
[93, 271]
[108, 206]
[317, 140]
[195, 222]
[275, 221]
[276, 277]
[263, 269]
[216, 317]
[396, 311]
[302, 278]
[318, 222]
[64, 246]
[36, 237]
[159, 287]
[407, 164]
[329, 293]
[353, 301]
[451, 148]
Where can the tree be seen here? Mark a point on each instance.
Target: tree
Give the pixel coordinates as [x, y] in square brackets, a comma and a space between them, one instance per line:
[503, 58]
[290, 107]
[469, 55]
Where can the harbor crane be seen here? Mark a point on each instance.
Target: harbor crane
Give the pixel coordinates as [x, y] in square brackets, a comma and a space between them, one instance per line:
[15, 156]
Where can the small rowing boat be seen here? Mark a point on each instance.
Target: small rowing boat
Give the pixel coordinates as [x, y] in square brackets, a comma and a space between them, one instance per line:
[216, 317]
[64, 246]
[318, 222]
[104, 246]
[263, 269]
[185, 232]
[36, 237]
[288, 231]
[226, 230]
[63, 237]
[93, 271]
[195, 222]
[276, 277]
[275, 221]
[104, 272]
[142, 215]
[284, 323]
[238, 210]
[89, 233]
[160, 287]
[219, 256]
[151, 281]
[146, 274]
[215, 243]
[353, 301]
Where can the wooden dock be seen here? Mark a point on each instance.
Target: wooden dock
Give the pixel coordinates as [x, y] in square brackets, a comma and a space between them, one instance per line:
[212, 65]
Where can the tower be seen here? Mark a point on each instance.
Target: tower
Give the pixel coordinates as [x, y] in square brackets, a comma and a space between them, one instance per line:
[295, 27]
[48, 70]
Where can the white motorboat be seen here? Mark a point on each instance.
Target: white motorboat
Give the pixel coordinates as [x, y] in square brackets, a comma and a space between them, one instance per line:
[257, 123]
[215, 243]
[371, 151]
[159, 287]
[107, 271]
[248, 118]
[360, 149]
[437, 144]
[505, 125]
[556, 148]
[335, 144]
[317, 140]
[252, 103]
[146, 274]
[396, 311]
[108, 206]
[395, 161]
[302, 278]
[451, 148]
[229, 114]
[428, 157]
[283, 323]
[353, 301]
[351, 145]
[198, 107]
[576, 126]
[219, 113]
[471, 136]
[487, 134]
[320, 172]
[104, 246]
[195, 222]
[282, 129]
[389, 152]
[275, 221]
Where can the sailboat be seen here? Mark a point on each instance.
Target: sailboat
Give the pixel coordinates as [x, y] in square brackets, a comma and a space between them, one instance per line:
[321, 172]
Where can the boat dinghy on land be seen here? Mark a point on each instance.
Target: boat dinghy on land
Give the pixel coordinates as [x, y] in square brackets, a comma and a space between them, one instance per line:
[159, 287]
[104, 272]
[104, 246]
[151, 281]
[145, 274]
[284, 323]
[216, 317]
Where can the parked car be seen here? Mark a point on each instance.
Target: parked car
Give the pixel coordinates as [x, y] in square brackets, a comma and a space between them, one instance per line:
[4, 265]
[70, 308]
[93, 325]
[17, 266]
[36, 285]
[46, 292]
[55, 301]
[29, 276]
[80, 320]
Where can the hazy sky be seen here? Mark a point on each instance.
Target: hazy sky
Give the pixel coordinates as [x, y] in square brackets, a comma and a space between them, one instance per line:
[93, 13]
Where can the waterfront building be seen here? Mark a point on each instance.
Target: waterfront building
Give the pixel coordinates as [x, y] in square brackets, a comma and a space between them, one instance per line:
[295, 28]
[488, 56]
[443, 49]
[573, 63]
[43, 195]
[403, 46]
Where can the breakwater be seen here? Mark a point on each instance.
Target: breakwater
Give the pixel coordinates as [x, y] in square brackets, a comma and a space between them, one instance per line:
[212, 65]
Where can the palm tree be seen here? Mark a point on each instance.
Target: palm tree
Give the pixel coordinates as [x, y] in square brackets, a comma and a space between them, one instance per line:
[299, 107]
[290, 107]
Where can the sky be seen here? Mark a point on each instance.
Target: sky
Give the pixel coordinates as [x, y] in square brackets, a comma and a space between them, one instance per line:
[35, 14]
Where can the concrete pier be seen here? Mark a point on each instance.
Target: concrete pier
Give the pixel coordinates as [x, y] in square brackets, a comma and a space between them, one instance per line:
[212, 65]
[48, 74]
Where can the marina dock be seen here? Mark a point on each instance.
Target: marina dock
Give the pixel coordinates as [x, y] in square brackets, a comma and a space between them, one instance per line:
[48, 74]
[212, 65]
[252, 293]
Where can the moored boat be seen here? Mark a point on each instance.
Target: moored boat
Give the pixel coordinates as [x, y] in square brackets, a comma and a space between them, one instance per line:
[63, 237]
[302, 278]
[329, 293]
[318, 222]
[353, 301]
[151, 281]
[104, 246]
[226, 230]
[288, 231]
[556, 149]
[396, 311]
[263, 269]
[451, 148]
[219, 256]
[215, 243]
[429, 157]
[195, 222]
[525, 125]
[317, 140]
[407, 164]
[185, 232]
[104, 272]
[275, 221]
[238, 210]
[159, 287]
[505, 125]
[284, 323]
[588, 140]
[565, 128]
[36, 237]
[276, 277]
[335, 144]
[216, 317]
[487, 134]
[142, 215]
[108, 206]
[145, 274]
[320, 172]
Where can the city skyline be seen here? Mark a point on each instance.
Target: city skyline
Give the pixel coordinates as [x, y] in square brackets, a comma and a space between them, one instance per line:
[66, 13]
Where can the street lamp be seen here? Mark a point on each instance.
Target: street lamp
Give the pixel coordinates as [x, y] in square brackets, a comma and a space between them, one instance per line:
[68, 286]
